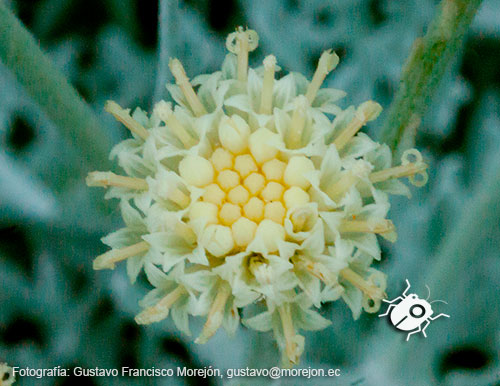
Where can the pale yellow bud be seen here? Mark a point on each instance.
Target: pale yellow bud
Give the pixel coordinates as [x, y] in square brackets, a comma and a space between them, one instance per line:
[294, 197]
[214, 194]
[263, 145]
[275, 211]
[222, 159]
[254, 209]
[204, 210]
[196, 170]
[234, 133]
[229, 213]
[255, 183]
[274, 170]
[297, 167]
[368, 111]
[244, 165]
[272, 192]
[243, 231]
[270, 233]
[238, 195]
[303, 219]
[228, 179]
[218, 240]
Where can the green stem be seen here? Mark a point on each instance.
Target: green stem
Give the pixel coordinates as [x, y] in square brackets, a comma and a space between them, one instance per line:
[166, 29]
[49, 88]
[425, 67]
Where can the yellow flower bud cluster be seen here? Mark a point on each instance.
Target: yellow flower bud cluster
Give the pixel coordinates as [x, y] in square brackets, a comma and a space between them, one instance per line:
[248, 187]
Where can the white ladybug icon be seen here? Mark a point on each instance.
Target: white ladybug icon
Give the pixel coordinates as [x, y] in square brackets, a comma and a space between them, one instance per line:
[411, 313]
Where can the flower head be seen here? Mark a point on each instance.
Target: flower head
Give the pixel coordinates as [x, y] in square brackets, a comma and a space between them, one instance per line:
[246, 191]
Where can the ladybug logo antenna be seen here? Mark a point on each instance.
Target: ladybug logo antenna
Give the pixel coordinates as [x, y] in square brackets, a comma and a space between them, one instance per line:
[429, 292]
[438, 300]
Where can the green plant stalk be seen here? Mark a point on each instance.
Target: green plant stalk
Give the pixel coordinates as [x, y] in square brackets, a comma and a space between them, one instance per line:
[166, 30]
[51, 91]
[424, 68]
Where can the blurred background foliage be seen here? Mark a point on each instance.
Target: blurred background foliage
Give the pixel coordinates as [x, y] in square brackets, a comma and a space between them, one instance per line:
[56, 311]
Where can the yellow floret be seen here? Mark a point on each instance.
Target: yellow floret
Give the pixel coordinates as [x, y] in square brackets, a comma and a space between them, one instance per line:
[274, 170]
[222, 159]
[295, 196]
[275, 211]
[244, 165]
[196, 171]
[234, 133]
[270, 233]
[228, 179]
[218, 240]
[238, 195]
[272, 192]
[254, 209]
[214, 194]
[295, 171]
[229, 213]
[263, 145]
[204, 210]
[255, 183]
[243, 231]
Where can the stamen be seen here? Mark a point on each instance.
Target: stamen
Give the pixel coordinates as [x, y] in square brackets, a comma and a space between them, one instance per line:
[408, 168]
[381, 227]
[369, 289]
[105, 179]
[337, 190]
[187, 89]
[215, 315]
[123, 116]
[398, 172]
[241, 43]
[161, 309]
[259, 268]
[298, 122]
[179, 197]
[165, 113]
[366, 112]
[110, 258]
[318, 270]
[266, 99]
[292, 349]
[242, 55]
[327, 63]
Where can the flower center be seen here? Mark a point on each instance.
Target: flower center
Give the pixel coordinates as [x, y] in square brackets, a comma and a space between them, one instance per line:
[248, 190]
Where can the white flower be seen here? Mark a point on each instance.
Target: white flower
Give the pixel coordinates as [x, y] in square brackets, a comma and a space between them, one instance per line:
[247, 191]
